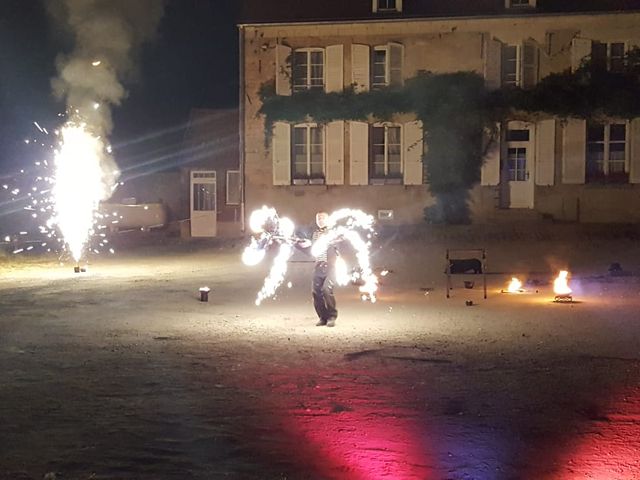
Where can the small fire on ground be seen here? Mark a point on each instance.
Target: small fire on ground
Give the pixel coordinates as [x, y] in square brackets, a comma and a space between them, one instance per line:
[561, 287]
[515, 286]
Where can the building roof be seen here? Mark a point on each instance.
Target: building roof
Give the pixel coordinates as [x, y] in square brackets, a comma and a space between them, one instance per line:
[293, 11]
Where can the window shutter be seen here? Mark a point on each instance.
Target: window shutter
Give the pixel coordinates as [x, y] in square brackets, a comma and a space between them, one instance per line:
[490, 171]
[359, 153]
[281, 147]
[283, 70]
[545, 152]
[395, 59]
[335, 153]
[574, 151]
[360, 58]
[493, 64]
[634, 151]
[413, 147]
[530, 58]
[580, 49]
[335, 68]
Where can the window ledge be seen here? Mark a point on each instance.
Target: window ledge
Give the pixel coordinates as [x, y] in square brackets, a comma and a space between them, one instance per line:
[386, 181]
[296, 182]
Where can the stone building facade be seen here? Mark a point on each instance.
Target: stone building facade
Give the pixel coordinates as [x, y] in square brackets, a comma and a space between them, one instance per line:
[563, 169]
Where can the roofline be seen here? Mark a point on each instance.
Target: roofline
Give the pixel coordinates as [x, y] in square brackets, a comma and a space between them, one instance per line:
[434, 19]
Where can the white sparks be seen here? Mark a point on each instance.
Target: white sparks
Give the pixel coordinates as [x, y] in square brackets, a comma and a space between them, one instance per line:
[342, 273]
[276, 274]
[253, 254]
[78, 185]
[96, 63]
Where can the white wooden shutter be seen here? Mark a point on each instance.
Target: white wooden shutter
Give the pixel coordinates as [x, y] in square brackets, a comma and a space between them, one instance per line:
[283, 70]
[529, 64]
[281, 149]
[413, 145]
[634, 151]
[490, 171]
[580, 49]
[493, 64]
[335, 68]
[395, 60]
[574, 151]
[545, 152]
[335, 153]
[359, 153]
[360, 59]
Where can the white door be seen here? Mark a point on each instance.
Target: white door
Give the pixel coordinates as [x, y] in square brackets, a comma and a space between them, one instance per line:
[203, 203]
[518, 164]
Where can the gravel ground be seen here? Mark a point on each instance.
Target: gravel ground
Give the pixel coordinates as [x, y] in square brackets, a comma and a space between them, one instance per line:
[122, 373]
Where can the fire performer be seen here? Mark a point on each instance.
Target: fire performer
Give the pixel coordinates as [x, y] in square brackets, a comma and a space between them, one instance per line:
[323, 282]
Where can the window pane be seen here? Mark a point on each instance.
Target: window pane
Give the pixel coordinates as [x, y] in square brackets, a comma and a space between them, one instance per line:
[518, 135]
[509, 65]
[300, 69]
[617, 151]
[377, 135]
[599, 55]
[618, 133]
[517, 163]
[379, 68]
[393, 135]
[204, 197]
[617, 57]
[595, 133]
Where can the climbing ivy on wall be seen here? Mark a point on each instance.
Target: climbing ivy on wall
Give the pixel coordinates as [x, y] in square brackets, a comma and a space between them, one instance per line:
[460, 114]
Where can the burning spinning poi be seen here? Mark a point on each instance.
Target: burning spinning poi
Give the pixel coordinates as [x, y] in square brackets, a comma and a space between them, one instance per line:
[344, 225]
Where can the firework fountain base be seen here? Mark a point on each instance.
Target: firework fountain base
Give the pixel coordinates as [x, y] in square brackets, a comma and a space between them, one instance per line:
[566, 298]
[204, 294]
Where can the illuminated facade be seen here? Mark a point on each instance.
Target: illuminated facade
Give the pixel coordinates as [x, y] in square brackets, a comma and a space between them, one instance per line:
[566, 170]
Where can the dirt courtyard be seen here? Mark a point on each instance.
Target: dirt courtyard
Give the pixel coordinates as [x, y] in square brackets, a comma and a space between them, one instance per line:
[122, 373]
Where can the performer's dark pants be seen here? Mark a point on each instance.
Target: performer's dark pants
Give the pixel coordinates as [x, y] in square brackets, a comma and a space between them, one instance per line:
[322, 288]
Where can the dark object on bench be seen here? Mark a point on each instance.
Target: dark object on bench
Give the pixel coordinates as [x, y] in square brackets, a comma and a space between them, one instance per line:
[465, 265]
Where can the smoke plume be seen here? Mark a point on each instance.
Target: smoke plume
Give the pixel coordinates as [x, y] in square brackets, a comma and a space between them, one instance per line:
[107, 37]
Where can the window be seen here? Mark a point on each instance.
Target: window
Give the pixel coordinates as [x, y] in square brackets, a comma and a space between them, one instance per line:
[510, 63]
[387, 5]
[233, 187]
[608, 56]
[515, 168]
[307, 154]
[386, 152]
[519, 65]
[517, 164]
[606, 152]
[379, 68]
[308, 69]
[204, 197]
[386, 65]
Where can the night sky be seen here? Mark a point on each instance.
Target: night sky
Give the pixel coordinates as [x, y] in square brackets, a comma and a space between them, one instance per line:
[193, 63]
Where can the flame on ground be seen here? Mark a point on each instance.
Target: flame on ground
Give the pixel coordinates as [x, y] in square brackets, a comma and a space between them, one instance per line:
[515, 286]
[561, 284]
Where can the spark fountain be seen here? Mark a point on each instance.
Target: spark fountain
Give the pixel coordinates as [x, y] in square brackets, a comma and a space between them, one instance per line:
[79, 184]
